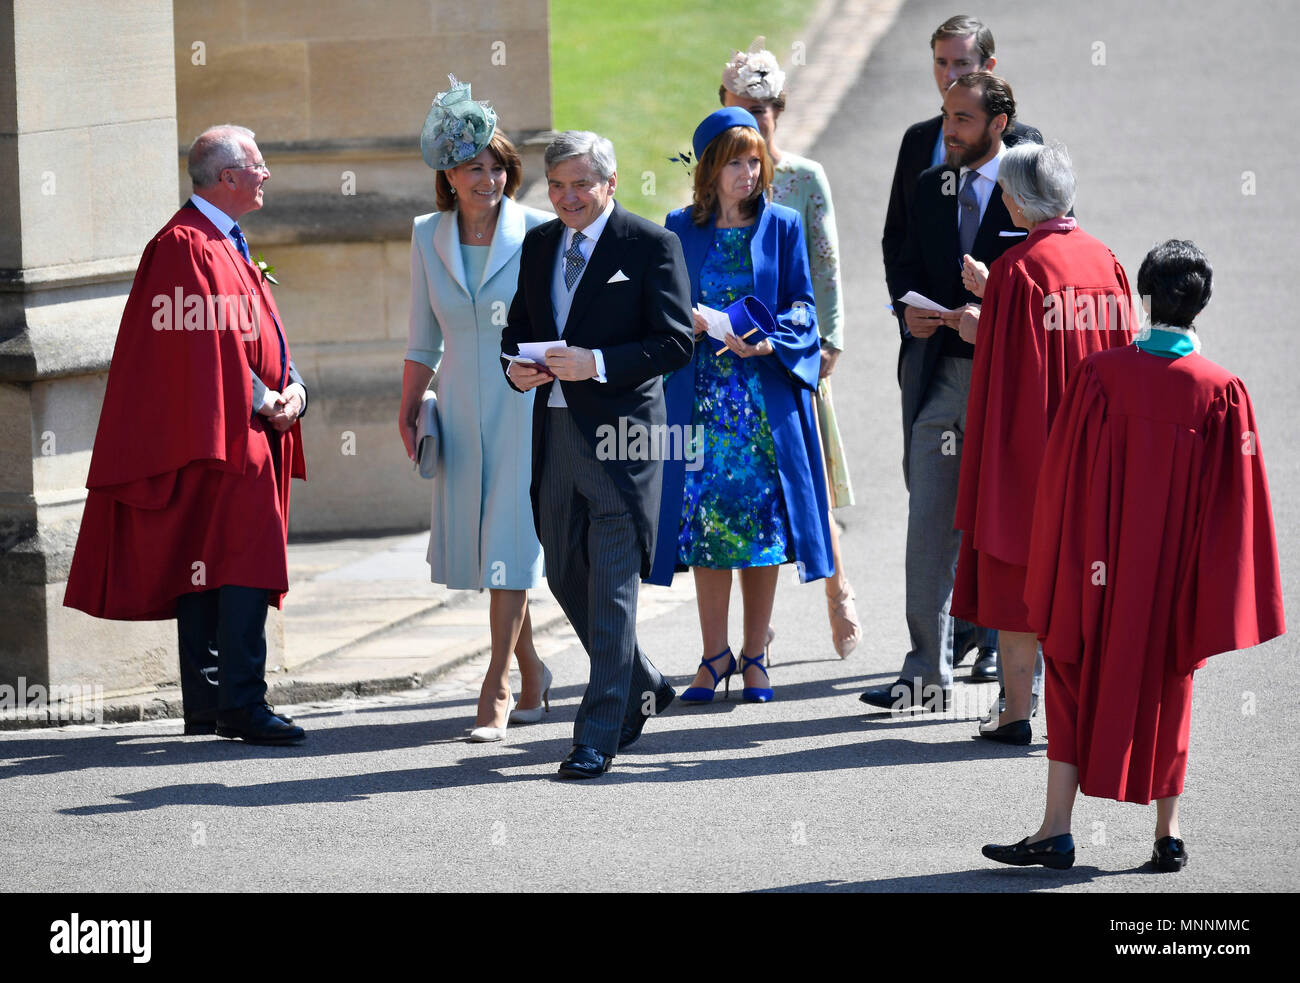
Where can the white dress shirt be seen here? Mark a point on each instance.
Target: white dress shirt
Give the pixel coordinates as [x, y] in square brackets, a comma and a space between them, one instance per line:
[986, 180]
[264, 398]
[562, 296]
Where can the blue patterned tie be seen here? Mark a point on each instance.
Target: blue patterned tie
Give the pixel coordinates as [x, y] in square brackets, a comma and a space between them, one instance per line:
[573, 261]
[241, 243]
[968, 214]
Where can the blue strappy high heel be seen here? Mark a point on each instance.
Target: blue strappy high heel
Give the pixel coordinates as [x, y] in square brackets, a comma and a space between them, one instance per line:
[702, 694]
[755, 694]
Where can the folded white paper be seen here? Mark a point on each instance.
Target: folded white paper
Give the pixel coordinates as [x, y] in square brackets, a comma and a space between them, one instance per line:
[719, 325]
[535, 351]
[913, 299]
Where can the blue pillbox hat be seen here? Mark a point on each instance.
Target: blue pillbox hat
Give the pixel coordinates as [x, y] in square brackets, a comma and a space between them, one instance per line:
[716, 122]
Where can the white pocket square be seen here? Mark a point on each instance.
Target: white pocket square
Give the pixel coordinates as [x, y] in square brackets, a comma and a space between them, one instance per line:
[619, 277]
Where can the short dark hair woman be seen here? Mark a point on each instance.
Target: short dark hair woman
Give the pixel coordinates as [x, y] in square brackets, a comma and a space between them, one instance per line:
[1152, 549]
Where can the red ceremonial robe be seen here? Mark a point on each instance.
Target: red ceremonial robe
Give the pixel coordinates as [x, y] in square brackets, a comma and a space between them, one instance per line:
[1152, 550]
[188, 490]
[1050, 302]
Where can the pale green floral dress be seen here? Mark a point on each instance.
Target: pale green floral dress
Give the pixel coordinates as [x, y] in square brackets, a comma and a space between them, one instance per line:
[800, 183]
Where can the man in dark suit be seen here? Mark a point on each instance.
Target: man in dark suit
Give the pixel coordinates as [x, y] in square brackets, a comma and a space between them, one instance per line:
[615, 287]
[957, 211]
[959, 45]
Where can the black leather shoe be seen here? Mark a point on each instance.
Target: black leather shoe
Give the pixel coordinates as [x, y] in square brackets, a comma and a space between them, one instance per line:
[283, 716]
[1056, 852]
[902, 695]
[634, 724]
[257, 725]
[1016, 732]
[1169, 855]
[584, 761]
[985, 669]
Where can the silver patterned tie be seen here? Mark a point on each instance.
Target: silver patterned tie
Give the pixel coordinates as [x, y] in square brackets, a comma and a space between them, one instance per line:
[968, 215]
[573, 261]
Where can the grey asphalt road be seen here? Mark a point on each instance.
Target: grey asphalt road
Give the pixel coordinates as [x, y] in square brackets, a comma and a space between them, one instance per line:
[809, 792]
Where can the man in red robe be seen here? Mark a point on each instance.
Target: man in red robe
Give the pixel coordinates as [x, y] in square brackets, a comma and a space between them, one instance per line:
[1049, 302]
[188, 508]
[1152, 549]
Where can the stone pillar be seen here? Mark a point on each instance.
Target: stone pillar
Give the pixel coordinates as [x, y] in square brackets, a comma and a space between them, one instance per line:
[337, 92]
[87, 175]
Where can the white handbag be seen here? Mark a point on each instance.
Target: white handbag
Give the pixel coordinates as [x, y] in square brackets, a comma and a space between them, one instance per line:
[428, 436]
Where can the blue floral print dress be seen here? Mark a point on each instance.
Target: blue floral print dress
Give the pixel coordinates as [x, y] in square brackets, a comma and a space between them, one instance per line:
[733, 512]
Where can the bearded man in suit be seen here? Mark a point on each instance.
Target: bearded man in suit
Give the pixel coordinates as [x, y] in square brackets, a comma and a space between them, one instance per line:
[615, 287]
[187, 514]
[957, 211]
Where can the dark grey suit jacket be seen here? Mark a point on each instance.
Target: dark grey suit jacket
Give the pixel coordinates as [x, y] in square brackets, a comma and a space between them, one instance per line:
[930, 264]
[914, 155]
[641, 324]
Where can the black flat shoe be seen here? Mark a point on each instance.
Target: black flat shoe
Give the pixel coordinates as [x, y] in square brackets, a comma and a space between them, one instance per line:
[1169, 855]
[633, 725]
[902, 695]
[584, 761]
[1056, 852]
[1016, 732]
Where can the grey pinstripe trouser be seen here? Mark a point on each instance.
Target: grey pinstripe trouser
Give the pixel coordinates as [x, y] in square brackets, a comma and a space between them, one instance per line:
[593, 566]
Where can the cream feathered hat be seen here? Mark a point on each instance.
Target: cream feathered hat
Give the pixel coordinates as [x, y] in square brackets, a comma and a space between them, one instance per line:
[755, 73]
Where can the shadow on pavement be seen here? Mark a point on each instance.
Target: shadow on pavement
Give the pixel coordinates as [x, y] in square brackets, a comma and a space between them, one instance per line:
[981, 880]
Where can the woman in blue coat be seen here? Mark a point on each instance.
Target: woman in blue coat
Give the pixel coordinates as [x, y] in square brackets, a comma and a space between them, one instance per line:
[464, 268]
[749, 493]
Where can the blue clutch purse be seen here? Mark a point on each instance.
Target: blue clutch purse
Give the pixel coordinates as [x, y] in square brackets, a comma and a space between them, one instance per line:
[428, 436]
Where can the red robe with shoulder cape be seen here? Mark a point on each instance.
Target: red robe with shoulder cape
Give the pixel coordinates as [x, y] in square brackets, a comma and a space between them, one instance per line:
[1050, 302]
[188, 490]
[1152, 550]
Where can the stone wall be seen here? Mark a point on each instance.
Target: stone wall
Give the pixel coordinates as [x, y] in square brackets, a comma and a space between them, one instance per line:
[87, 175]
[337, 93]
[96, 99]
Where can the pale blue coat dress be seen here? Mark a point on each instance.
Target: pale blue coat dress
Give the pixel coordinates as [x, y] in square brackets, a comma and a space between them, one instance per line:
[481, 531]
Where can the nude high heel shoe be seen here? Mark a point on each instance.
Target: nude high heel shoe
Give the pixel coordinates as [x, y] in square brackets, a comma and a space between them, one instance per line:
[533, 714]
[846, 632]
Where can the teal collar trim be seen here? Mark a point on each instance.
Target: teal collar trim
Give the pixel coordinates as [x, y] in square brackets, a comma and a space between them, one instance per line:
[1167, 342]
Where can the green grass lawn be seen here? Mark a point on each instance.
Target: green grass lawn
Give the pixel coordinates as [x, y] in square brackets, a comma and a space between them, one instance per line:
[645, 72]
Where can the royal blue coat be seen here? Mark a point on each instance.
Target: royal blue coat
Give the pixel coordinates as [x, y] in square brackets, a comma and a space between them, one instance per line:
[788, 377]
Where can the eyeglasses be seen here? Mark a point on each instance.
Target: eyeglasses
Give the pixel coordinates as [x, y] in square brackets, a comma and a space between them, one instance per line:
[258, 164]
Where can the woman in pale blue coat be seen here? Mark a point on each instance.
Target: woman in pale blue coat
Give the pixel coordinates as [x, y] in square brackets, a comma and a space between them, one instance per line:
[464, 267]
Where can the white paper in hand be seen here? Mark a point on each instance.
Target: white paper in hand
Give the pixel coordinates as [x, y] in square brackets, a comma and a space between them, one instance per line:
[535, 351]
[913, 299]
[718, 324]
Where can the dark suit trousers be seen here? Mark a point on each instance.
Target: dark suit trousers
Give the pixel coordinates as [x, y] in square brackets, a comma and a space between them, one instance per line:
[593, 567]
[222, 635]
